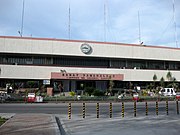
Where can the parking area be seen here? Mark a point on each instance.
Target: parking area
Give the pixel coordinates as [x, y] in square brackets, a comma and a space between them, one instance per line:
[151, 125]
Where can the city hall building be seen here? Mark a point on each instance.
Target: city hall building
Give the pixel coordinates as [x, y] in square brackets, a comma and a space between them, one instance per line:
[76, 64]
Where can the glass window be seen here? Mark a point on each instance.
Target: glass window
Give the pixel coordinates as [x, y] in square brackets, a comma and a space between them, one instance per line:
[117, 63]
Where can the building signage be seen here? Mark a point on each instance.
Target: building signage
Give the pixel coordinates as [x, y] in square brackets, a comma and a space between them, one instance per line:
[86, 48]
[85, 76]
[46, 82]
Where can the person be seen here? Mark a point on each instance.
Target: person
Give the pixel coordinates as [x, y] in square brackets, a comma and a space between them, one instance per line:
[60, 87]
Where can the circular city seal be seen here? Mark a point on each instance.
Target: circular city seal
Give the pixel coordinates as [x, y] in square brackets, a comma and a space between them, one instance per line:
[86, 48]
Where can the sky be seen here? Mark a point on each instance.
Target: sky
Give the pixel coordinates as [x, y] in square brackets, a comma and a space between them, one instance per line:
[94, 20]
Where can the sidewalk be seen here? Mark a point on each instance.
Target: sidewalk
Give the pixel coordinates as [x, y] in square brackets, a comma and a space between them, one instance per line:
[30, 124]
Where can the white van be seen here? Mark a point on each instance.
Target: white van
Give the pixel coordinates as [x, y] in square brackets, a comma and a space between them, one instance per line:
[167, 92]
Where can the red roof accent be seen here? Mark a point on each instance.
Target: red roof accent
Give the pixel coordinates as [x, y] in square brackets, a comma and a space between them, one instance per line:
[86, 41]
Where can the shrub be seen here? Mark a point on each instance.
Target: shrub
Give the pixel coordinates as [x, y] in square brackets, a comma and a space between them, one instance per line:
[98, 93]
[89, 90]
[72, 93]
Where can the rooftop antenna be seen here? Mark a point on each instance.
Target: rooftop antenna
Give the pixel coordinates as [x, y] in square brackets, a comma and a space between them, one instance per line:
[22, 21]
[175, 31]
[69, 25]
[105, 21]
[139, 24]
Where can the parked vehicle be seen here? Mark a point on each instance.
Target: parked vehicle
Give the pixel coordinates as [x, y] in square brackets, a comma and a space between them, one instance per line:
[136, 97]
[167, 92]
[31, 97]
[4, 96]
[178, 96]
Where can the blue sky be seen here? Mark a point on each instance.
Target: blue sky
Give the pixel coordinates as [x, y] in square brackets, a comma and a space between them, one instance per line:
[49, 19]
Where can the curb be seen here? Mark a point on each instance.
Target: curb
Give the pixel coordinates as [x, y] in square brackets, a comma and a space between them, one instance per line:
[61, 129]
[56, 125]
[6, 122]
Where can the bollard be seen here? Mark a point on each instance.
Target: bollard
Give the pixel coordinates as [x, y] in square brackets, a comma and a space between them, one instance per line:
[97, 109]
[156, 107]
[146, 109]
[110, 110]
[134, 108]
[69, 111]
[167, 108]
[83, 110]
[123, 109]
[177, 105]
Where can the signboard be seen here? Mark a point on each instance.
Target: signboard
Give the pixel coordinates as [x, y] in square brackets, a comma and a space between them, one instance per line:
[46, 82]
[86, 76]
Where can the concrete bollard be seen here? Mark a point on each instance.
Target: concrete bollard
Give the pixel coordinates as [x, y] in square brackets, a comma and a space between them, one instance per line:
[97, 109]
[177, 106]
[135, 109]
[69, 111]
[110, 110]
[146, 108]
[84, 110]
[123, 109]
[156, 107]
[167, 108]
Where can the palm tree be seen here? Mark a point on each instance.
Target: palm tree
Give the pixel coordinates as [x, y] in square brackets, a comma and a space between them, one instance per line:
[150, 86]
[111, 85]
[169, 76]
[173, 84]
[154, 79]
[162, 82]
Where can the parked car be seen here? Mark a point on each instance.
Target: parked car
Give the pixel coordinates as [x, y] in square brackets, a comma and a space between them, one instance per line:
[136, 97]
[31, 97]
[167, 92]
[178, 96]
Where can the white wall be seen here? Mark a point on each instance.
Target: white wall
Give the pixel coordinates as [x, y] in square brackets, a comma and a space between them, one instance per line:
[62, 47]
[42, 72]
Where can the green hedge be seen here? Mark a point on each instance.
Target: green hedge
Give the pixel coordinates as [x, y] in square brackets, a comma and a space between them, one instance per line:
[96, 98]
[107, 98]
[2, 120]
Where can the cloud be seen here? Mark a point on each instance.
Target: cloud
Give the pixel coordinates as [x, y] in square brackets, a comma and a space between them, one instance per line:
[45, 18]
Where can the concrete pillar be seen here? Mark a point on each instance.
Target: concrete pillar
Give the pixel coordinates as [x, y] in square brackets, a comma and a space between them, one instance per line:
[49, 91]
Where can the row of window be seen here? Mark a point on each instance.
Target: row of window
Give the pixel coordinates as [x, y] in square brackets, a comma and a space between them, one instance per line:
[89, 62]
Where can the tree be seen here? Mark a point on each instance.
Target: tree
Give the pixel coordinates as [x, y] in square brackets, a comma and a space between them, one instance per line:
[89, 90]
[150, 86]
[162, 82]
[169, 76]
[173, 84]
[154, 79]
[111, 85]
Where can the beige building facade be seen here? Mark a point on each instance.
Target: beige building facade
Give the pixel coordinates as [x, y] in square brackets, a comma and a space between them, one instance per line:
[74, 62]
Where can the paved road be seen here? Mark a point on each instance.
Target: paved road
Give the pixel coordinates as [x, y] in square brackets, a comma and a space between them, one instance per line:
[150, 125]
[62, 108]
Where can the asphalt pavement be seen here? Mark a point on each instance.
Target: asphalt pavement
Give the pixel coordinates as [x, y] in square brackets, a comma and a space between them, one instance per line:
[90, 108]
[53, 119]
[150, 125]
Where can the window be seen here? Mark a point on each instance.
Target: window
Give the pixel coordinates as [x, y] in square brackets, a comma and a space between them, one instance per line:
[25, 59]
[117, 63]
